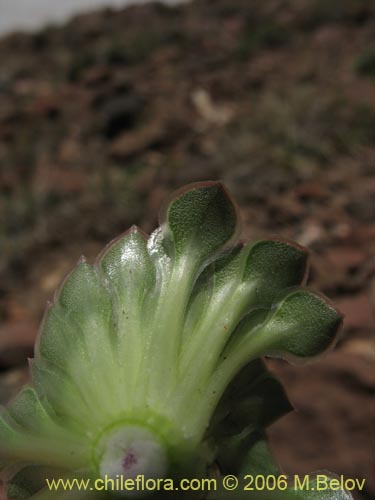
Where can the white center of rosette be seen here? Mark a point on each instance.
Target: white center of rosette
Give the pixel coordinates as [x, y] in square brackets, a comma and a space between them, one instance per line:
[132, 452]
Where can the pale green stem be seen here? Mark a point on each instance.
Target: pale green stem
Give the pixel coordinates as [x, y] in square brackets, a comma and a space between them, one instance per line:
[202, 405]
[165, 342]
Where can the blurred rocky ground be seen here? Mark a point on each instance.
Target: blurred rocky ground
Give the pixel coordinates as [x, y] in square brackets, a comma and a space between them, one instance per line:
[101, 118]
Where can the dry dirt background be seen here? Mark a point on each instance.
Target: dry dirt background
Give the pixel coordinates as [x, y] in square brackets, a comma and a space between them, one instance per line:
[100, 119]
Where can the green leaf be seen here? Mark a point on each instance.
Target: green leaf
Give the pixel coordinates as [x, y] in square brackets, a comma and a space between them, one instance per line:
[78, 322]
[16, 492]
[252, 456]
[248, 277]
[129, 269]
[201, 219]
[259, 459]
[273, 265]
[29, 480]
[74, 494]
[265, 403]
[51, 444]
[64, 395]
[253, 400]
[130, 275]
[29, 413]
[303, 325]
[77, 343]
[259, 462]
[8, 436]
[213, 288]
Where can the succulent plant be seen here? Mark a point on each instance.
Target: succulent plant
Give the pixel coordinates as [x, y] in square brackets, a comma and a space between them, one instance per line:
[148, 362]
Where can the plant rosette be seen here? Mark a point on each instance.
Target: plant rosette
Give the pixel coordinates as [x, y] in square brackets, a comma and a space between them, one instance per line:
[149, 362]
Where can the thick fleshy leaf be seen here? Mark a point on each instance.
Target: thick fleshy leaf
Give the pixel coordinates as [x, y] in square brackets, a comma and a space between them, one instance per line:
[16, 492]
[258, 461]
[273, 265]
[201, 219]
[51, 445]
[74, 494]
[240, 387]
[249, 454]
[130, 275]
[77, 341]
[248, 277]
[303, 325]
[209, 318]
[29, 413]
[29, 480]
[253, 400]
[288, 494]
[64, 394]
[129, 269]
[259, 277]
[8, 436]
